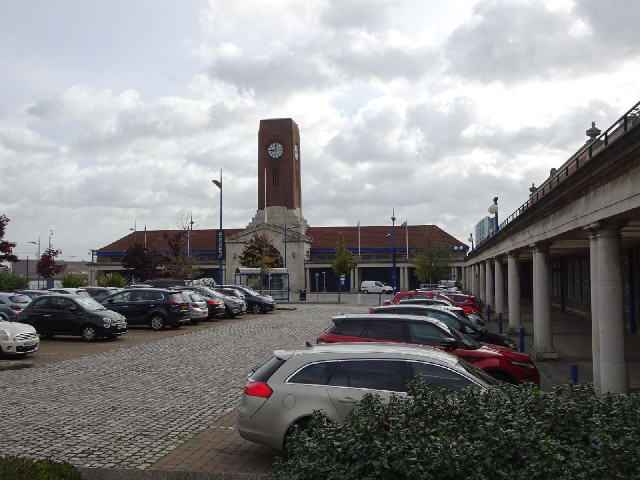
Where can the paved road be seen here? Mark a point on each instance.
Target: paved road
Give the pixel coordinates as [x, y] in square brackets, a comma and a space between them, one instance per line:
[128, 407]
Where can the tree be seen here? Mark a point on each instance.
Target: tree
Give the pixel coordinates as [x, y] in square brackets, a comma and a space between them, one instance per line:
[6, 248]
[112, 280]
[140, 264]
[176, 264]
[73, 280]
[259, 252]
[345, 262]
[432, 263]
[47, 266]
[10, 282]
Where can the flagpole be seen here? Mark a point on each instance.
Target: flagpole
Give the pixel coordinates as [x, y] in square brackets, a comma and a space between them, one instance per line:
[406, 230]
[358, 239]
[265, 195]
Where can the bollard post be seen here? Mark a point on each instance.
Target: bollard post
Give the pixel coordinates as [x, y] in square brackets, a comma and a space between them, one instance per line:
[574, 373]
[522, 339]
[379, 298]
[500, 323]
[488, 312]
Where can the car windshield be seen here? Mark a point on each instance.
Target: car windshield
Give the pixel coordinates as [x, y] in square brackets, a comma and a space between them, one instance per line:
[20, 299]
[90, 304]
[468, 343]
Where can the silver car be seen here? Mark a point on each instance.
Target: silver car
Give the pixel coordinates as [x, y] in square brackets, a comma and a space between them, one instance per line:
[334, 378]
[197, 305]
[11, 305]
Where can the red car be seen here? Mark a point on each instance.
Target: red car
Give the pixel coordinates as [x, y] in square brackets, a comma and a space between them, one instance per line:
[501, 363]
[467, 307]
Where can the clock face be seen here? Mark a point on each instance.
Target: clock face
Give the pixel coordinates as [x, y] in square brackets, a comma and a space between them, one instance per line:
[295, 152]
[275, 150]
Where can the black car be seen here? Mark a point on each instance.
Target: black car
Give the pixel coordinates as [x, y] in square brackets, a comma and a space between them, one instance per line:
[156, 307]
[256, 303]
[62, 314]
[215, 302]
[476, 332]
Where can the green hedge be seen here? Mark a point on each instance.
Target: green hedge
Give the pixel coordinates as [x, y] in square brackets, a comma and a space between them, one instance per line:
[14, 468]
[510, 433]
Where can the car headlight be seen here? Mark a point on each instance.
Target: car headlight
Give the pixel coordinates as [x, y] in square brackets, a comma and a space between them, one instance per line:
[524, 365]
[107, 320]
[4, 335]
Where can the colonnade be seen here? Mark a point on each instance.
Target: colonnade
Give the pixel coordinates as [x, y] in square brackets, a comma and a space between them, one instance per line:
[484, 278]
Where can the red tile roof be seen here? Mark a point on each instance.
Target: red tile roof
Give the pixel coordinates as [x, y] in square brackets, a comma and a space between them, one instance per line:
[371, 237]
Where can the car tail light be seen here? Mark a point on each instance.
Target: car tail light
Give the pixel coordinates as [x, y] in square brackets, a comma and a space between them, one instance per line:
[371, 310]
[213, 302]
[172, 304]
[16, 308]
[258, 389]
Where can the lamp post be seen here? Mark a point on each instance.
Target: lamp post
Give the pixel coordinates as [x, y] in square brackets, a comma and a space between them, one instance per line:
[393, 250]
[218, 183]
[134, 234]
[493, 208]
[471, 240]
[38, 257]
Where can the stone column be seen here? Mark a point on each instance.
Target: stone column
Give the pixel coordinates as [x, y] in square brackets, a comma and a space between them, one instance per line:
[499, 285]
[482, 281]
[542, 337]
[595, 325]
[488, 283]
[614, 373]
[513, 278]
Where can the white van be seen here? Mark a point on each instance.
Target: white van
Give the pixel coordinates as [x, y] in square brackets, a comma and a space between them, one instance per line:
[373, 286]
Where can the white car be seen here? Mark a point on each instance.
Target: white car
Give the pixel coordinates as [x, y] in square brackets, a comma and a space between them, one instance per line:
[197, 305]
[17, 338]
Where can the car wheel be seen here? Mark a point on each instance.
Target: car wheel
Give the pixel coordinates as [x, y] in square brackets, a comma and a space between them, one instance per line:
[303, 426]
[157, 322]
[89, 333]
[255, 308]
[229, 314]
[503, 377]
[365, 291]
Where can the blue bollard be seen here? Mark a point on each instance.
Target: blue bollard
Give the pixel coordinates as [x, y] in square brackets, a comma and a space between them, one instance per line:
[379, 298]
[522, 339]
[500, 323]
[574, 373]
[488, 312]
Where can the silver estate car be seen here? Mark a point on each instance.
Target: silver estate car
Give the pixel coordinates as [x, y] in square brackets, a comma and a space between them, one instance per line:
[334, 378]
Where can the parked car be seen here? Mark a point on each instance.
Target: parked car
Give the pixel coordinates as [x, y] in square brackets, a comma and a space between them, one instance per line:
[500, 362]
[197, 306]
[11, 305]
[64, 314]
[17, 338]
[236, 294]
[32, 293]
[288, 388]
[407, 295]
[451, 318]
[216, 306]
[155, 307]
[99, 293]
[69, 291]
[475, 319]
[256, 303]
[373, 286]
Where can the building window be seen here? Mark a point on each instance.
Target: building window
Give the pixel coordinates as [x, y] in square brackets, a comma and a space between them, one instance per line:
[275, 176]
[577, 279]
[570, 283]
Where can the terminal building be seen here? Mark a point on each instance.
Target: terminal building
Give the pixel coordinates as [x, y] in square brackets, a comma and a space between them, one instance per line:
[308, 252]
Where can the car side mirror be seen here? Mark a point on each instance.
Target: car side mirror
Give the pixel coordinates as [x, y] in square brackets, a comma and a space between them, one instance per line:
[449, 343]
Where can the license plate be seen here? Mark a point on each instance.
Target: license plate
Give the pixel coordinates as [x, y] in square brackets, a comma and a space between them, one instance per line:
[29, 344]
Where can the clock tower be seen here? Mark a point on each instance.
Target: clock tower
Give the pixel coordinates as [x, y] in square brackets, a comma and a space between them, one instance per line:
[279, 180]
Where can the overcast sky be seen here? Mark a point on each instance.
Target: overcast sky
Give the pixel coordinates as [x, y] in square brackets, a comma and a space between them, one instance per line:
[115, 114]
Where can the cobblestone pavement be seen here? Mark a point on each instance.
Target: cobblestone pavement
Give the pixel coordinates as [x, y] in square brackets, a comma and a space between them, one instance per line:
[129, 408]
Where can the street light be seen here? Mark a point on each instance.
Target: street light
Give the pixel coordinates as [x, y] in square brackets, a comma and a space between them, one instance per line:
[135, 231]
[218, 183]
[393, 249]
[493, 208]
[38, 244]
[471, 240]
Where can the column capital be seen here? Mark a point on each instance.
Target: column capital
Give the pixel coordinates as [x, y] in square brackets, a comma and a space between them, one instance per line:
[540, 246]
[513, 254]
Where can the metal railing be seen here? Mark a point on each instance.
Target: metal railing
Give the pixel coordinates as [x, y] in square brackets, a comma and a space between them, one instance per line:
[621, 126]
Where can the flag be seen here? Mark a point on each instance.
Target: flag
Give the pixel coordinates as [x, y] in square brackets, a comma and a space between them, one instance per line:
[358, 226]
[404, 224]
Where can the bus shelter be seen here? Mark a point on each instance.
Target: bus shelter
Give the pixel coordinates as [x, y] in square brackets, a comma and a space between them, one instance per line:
[274, 283]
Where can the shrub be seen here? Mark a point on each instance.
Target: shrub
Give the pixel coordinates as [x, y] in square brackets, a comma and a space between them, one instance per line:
[15, 468]
[10, 282]
[113, 280]
[73, 280]
[511, 433]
